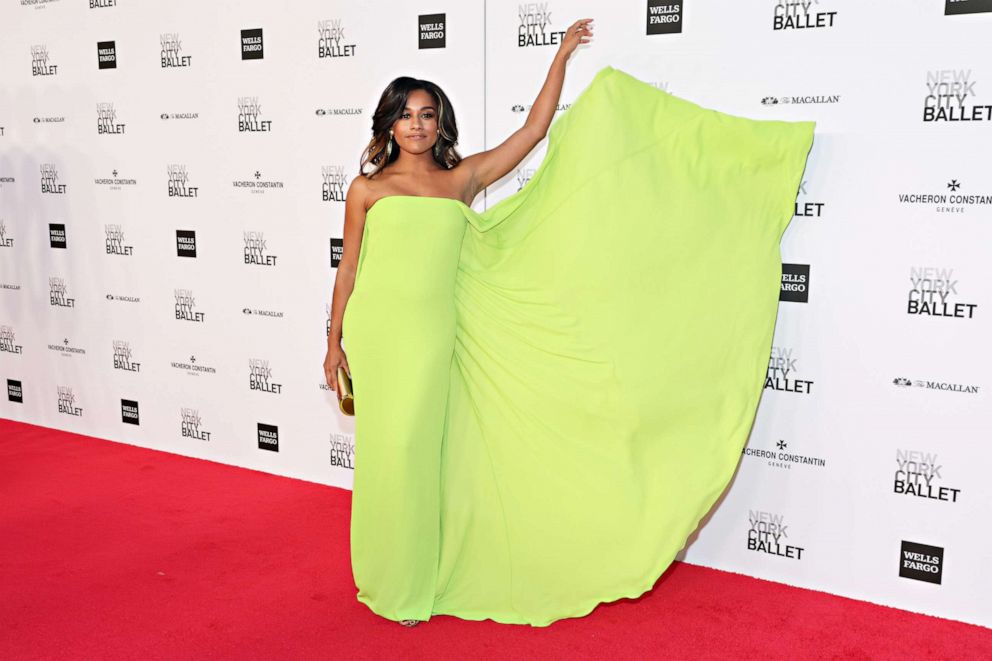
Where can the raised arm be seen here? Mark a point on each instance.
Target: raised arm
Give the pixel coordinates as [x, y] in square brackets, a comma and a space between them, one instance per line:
[488, 166]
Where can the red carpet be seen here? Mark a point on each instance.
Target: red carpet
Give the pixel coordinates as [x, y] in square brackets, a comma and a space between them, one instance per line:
[110, 551]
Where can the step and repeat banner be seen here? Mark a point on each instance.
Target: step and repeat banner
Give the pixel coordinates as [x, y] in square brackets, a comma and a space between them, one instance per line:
[172, 184]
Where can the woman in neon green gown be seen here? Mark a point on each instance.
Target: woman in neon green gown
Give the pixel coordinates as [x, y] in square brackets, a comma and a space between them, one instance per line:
[556, 390]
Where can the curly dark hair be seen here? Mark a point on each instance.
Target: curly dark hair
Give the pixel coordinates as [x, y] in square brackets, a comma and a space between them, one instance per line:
[390, 108]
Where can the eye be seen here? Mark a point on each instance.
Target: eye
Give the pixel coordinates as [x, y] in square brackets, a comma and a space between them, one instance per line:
[429, 115]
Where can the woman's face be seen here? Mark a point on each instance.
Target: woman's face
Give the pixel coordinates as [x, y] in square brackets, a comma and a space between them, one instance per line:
[416, 129]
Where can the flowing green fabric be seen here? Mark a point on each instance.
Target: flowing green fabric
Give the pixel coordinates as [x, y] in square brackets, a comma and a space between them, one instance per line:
[552, 393]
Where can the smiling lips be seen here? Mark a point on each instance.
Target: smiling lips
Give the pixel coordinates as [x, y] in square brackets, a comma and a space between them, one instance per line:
[416, 136]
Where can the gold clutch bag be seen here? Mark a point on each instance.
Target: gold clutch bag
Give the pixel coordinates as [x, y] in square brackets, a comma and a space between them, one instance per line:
[347, 400]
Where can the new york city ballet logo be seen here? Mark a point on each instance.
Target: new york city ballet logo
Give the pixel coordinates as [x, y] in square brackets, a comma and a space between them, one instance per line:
[66, 348]
[50, 183]
[523, 176]
[171, 51]
[950, 97]
[768, 533]
[260, 377]
[805, 207]
[251, 44]
[934, 293]
[782, 457]
[8, 341]
[129, 412]
[124, 357]
[536, 26]
[58, 293]
[15, 391]
[795, 283]
[102, 4]
[801, 15]
[67, 402]
[268, 437]
[334, 183]
[783, 373]
[919, 475]
[257, 250]
[114, 241]
[249, 116]
[431, 31]
[6, 241]
[179, 183]
[953, 198]
[106, 54]
[41, 64]
[331, 40]
[664, 17]
[186, 306]
[106, 120]
[342, 450]
[921, 562]
[192, 425]
[57, 236]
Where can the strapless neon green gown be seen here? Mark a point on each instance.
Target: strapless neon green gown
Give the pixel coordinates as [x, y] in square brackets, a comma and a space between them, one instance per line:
[551, 394]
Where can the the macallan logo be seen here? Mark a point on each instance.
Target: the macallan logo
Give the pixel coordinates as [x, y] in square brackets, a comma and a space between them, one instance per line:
[535, 26]
[186, 306]
[50, 180]
[171, 51]
[192, 425]
[67, 402]
[334, 185]
[331, 41]
[929, 384]
[179, 181]
[768, 533]
[249, 114]
[106, 120]
[40, 62]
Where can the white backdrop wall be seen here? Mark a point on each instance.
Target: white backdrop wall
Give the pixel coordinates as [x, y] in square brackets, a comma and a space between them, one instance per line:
[865, 471]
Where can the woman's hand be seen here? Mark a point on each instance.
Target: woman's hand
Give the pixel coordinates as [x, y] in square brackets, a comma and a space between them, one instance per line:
[577, 33]
[335, 358]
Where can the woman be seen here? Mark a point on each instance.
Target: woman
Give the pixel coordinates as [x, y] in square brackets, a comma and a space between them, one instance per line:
[550, 394]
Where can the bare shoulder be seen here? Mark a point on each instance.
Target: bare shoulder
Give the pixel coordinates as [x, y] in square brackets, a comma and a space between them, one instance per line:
[358, 193]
